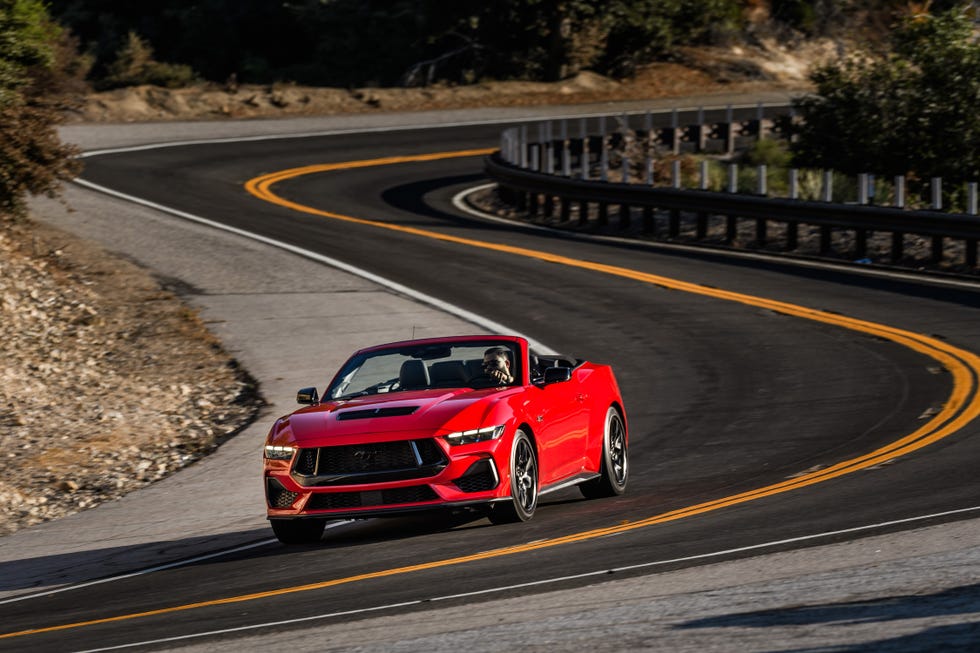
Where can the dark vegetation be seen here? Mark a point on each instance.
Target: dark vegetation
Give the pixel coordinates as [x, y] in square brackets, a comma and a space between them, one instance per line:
[390, 42]
[910, 105]
[910, 109]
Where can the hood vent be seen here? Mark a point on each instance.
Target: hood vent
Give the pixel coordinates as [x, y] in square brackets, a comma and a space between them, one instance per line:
[396, 411]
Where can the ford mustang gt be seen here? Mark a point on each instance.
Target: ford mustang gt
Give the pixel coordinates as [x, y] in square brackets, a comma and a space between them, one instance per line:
[478, 422]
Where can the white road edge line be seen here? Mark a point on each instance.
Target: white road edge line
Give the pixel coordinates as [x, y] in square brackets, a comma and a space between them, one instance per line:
[459, 202]
[603, 572]
[394, 286]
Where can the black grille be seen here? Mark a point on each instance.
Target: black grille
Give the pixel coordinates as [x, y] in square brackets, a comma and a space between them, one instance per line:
[375, 457]
[394, 497]
[429, 452]
[369, 462]
[306, 462]
[394, 411]
[278, 496]
[478, 478]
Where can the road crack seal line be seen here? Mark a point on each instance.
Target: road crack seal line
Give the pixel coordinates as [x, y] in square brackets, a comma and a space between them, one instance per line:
[962, 406]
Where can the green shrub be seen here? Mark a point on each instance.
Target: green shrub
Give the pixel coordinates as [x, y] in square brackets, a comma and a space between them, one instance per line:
[38, 71]
[912, 111]
[134, 65]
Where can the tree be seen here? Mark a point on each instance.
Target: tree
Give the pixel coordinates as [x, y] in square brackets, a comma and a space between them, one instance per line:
[37, 67]
[911, 111]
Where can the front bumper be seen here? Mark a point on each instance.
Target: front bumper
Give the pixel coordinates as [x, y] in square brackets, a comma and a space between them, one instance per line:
[468, 475]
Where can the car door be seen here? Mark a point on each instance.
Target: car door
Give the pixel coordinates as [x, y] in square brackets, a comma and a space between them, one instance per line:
[560, 413]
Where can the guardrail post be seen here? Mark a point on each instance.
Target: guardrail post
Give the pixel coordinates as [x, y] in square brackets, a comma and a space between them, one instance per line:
[828, 186]
[624, 217]
[825, 235]
[604, 159]
[702, 131]
[675, 174]
[793, 228]
[566, 158]
[649, 226]
[585, 158]
[900, 191]
[535, 161]
[860, 244]
[827, 196]
[761, 224]
[522, 144]
[792, 236]
[731, 220]
[971, 208]
[898, 246]
[675, 133]
[701, 225]
[936, 186]
[649, 169]
[626, 169]
[861, 235]
[898, 238]
[549, 149]
[730, 133]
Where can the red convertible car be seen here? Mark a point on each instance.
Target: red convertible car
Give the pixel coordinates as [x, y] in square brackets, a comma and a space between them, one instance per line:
[476, 421]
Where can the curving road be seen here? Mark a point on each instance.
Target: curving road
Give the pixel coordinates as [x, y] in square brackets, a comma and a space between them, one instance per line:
[754, 392]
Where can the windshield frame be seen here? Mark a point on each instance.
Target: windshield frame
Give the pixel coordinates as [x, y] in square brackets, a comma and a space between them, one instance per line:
[428, 351]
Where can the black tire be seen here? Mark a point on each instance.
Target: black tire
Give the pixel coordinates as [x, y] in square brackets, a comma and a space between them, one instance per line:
[298, 531]
[615, 460]
[523, 484]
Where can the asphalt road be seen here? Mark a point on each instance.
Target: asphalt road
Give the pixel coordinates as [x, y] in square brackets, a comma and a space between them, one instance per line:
[722, 397]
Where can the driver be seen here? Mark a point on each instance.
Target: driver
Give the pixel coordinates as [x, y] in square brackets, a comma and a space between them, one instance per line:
[496, 365]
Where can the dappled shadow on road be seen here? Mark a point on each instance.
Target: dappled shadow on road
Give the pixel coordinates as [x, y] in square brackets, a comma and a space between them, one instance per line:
[963, 600]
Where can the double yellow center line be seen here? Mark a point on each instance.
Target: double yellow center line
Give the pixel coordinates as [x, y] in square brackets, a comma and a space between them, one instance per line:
[961, 407]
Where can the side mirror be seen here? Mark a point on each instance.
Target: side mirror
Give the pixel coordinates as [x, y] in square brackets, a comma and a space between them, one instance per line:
[557, 375]
[308, 396]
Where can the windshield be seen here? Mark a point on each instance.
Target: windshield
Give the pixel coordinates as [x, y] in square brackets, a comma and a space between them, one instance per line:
[422, 367]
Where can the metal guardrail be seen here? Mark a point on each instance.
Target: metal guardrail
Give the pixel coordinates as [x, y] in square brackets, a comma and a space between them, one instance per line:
[538, 177]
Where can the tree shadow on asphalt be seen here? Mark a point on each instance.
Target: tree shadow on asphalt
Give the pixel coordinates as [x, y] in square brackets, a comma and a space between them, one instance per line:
[963, 600]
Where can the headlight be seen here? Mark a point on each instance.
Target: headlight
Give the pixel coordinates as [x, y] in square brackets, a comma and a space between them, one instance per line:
[476, 435]
[278, 452]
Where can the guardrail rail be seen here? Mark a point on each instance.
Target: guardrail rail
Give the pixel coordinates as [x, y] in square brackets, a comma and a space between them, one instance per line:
[560, 175]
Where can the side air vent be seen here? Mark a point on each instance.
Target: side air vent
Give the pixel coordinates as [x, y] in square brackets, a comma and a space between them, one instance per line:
[376, 412]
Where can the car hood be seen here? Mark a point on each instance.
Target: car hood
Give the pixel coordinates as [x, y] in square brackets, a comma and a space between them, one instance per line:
[426, 410]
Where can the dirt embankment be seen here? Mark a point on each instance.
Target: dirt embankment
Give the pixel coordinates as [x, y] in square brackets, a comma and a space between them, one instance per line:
[107, 382]
[767, 66]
